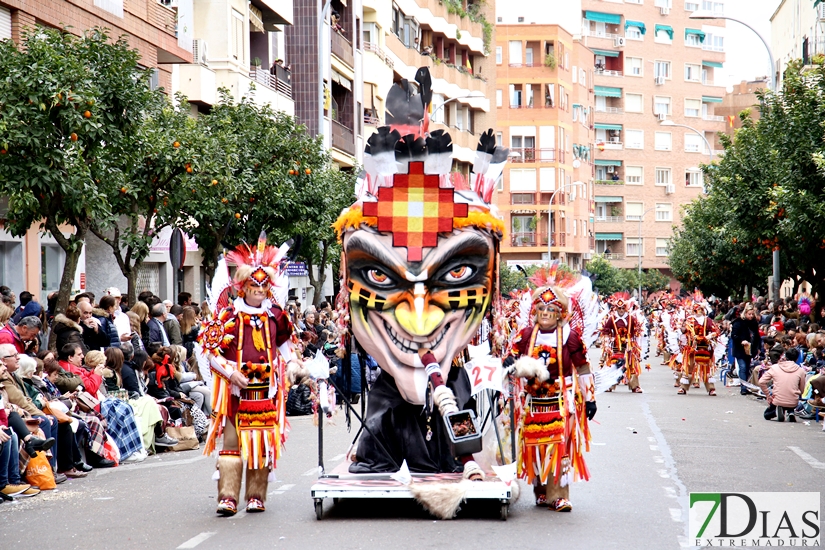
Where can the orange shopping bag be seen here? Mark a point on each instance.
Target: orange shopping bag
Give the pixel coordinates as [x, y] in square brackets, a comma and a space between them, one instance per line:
[39, 473]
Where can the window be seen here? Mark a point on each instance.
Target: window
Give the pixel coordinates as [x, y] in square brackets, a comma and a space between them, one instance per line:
[237, 48]
[693, 178]
[112, 6]
[550, 95]
[633, 211]
[661, 104]
[515, 97]
[633, 33]
[662, 176]
[634, 246]
[634, 175]
[693, 143]
[664, 141]
[691, 6]
[693, 107]
[634, 65]
[693, 73]
[661, 68]
[498, 55]
[583, 77]
[633, 103]
[664, 212]
[498, 139]
[714, 40]
[563, 97]
[662, 3]
[515, 52]
[663, 37]
[715, 6]
[528, 57]
[661, 247]
[634, 2]
[634, 139]
[499, 98]
[693, 41]
[575, 75]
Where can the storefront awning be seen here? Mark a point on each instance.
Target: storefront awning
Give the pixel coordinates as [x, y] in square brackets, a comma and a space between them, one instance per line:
[608, 236]
[607, 91]
[639, 24]
[607, 199]
[714, 64]
[697, 32]
[711, 99]
[667, 28]
[599, 126]
[603, 162]
[601, 17]
[606, 53]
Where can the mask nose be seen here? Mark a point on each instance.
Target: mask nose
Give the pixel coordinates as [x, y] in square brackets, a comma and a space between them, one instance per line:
[418, 315]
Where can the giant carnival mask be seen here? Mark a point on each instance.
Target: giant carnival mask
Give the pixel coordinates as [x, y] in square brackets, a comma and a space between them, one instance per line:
[420, 247]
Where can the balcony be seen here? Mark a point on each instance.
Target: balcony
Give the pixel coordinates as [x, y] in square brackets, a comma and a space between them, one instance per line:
[522, 199]
[518, 155]
[608, 72]
[343, 138]
[609, 219]
[707, 82]
[371, 120]
[376, 49]
[609, 182]
[610, 110]
[613, 256]
[713, 118]
[342, 49]
[523, 239]
[614, 145]
[281, 81]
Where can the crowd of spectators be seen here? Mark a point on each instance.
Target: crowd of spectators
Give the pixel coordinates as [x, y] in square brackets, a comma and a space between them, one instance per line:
[96, 385]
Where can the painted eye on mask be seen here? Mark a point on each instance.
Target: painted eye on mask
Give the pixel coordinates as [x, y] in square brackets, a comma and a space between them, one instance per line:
[378, 277]
[459, 274]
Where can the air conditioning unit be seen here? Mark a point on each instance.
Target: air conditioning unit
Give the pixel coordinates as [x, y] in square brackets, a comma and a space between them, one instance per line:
[659, 80]
[662, 116]
[670, 189]
[619, 42]
[200, 52]
[169, 3]
[611, 169]
[664, 11]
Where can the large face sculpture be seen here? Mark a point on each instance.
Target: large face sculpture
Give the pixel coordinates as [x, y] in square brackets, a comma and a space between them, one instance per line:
[398, 306]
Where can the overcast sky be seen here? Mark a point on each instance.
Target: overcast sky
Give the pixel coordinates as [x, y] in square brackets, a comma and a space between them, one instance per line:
[746, 56]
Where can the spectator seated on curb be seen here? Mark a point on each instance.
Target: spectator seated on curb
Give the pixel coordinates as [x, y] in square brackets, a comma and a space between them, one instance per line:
[788, 384]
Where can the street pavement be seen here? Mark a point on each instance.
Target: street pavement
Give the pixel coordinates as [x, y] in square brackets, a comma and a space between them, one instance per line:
[649, 450]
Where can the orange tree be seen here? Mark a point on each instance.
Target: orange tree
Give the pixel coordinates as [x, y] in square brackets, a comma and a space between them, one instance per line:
[70, 108]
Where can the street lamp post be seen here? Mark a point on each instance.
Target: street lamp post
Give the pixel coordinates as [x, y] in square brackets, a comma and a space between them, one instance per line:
[672, 124]
[550, 217]
[706, 14]
[323, 7]
[641, 250]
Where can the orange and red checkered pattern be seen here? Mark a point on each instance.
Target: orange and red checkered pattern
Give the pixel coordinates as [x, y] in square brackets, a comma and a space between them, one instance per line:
[415, 210]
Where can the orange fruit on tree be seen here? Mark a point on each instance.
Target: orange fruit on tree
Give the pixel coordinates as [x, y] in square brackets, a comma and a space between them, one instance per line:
[224, 200]
[189, 169]
[123, 189]
[238, 215]
[87, 114]
[176, 144]
[214, 182]
[307, 171]
[73, 136]
[3, 151]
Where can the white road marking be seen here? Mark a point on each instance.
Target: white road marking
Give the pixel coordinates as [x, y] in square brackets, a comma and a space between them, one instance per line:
[651, 439]
[103, 498]
[311, 471]
[282, 489]
[812, 462]
[336, 458]
[654, 447]
[663, 473]
[196, 540]
[659, 459]
[675, 514]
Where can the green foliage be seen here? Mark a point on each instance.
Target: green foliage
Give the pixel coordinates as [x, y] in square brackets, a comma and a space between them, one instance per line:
[473, 13]
[610, 279]
[511, 279]
[70, 108]
[768, 191]
[550, 61]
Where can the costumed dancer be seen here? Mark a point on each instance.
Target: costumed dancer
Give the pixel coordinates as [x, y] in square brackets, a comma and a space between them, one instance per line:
[419, 263]
[622, 332]
[700, 332]
[558, 396]
[248, 344]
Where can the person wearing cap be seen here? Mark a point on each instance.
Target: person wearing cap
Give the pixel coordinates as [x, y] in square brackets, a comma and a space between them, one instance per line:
[124, 329]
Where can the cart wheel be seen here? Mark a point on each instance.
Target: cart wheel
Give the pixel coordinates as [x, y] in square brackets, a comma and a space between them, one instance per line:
[505, 510]
[319, 509]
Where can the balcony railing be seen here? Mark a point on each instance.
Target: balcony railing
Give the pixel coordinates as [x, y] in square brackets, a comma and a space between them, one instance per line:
[376, 49]
[712, 48]
[612, 110]
[522, 198]
[609, 219]
[343, 138]
[608, 72]
[609, 182]
[713, 118]
[371, 120]
[707, 82]
[342, 48]
[523, 239]
[616, 145]
[614, 256]
[535, 155]
[596, 34]
[281, 81]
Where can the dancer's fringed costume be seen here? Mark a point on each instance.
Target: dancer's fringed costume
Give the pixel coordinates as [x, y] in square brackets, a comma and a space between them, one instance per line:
[557, 396]
[700, 339]
[419, 266]
[622, 334]
[248, 345]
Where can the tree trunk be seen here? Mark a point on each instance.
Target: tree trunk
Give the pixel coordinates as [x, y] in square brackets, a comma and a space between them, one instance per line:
[318, 284]
[72, 246]
[131, 285]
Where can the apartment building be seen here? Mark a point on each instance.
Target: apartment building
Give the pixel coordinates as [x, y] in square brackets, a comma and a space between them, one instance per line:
[545, 109]
[163, 37]
[797, 32]
[655, 119]
[742, 96]
[448, 37]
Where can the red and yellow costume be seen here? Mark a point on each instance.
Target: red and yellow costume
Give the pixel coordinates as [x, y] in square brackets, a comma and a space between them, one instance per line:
[620, 338]
[700, 332]
[255, 342]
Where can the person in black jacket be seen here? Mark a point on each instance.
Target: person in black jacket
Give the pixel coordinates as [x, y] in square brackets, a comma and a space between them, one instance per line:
[67, 330]
[95, 332]
[746, 342]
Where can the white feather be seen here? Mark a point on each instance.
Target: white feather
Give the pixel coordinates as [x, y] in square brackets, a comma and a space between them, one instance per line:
[220, 281]
[606, 378]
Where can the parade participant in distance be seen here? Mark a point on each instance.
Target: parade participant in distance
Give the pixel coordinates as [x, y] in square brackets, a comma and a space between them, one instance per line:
[248, 344]
[701, 333]
[621, 333]
[558, 396]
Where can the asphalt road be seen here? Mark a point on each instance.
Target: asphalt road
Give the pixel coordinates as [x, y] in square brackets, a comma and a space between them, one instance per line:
[648, 452]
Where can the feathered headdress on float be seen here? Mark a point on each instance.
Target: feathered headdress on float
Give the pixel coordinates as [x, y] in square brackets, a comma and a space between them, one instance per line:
[406, 188]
